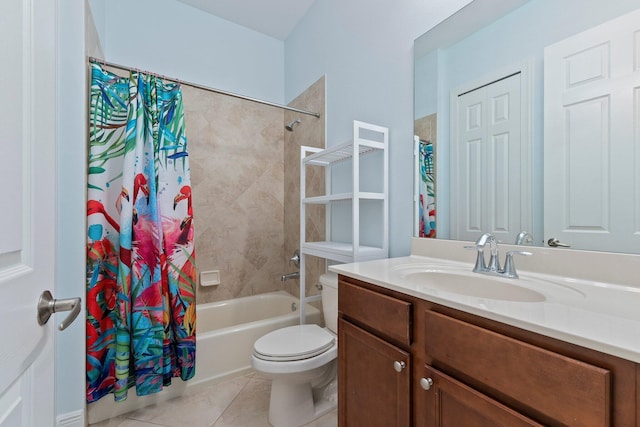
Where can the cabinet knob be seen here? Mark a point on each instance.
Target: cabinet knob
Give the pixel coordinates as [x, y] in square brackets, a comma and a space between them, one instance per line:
[426, 383]
[398, 366]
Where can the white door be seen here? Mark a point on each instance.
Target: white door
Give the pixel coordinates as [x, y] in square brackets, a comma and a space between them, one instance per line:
[591, 137]
[27, 189]
[486, 161]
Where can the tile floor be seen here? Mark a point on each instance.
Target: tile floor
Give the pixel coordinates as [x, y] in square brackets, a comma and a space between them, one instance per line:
[238, 402]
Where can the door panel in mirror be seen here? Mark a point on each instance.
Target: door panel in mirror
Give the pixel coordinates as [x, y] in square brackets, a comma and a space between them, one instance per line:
[591, 87]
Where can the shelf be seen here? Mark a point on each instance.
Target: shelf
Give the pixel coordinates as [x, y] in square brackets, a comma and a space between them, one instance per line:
[341, 197]
[346, 207]
[342, 252]
[367, 138]
[342, 152]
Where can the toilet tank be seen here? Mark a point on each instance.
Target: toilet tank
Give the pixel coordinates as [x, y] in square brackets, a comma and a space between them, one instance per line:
[329, 282]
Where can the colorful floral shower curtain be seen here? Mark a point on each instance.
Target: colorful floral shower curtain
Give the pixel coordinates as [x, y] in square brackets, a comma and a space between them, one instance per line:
[141, 318]
[427, 190]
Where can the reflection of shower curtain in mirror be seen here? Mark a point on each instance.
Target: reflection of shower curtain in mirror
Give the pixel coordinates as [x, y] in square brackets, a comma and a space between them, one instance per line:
[426, 190]
[141, 278]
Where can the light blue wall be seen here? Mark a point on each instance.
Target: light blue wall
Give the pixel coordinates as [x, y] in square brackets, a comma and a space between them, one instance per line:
[171, 38]
[520, 35]
[365, 49]
[70, 205]
[98, 10]
[424, 87]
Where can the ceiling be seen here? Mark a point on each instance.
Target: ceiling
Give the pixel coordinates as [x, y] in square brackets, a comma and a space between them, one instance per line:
[275, 18]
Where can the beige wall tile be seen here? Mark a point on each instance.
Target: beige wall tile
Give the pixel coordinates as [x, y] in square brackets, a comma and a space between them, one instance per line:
[426, 128]
[310, 132]
[236, 158]
[246, 197]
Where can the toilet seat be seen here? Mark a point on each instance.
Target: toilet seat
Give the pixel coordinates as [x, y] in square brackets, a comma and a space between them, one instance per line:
[293, 343]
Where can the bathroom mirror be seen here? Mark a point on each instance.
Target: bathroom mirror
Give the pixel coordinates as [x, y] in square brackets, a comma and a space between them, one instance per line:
[498, 47]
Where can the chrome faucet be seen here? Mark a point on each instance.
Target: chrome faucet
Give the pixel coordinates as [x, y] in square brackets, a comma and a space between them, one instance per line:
[294, 275]
[524, 238]
[510, 266]
[295, 259]
[494, 261]
[480, 266]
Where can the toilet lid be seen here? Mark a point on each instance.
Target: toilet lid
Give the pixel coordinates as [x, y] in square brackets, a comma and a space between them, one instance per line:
[293, 343]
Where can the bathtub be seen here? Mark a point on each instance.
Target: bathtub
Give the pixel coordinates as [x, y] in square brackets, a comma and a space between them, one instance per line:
[226, 331]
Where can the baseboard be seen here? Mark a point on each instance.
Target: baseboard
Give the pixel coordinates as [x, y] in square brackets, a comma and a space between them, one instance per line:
[71, 419]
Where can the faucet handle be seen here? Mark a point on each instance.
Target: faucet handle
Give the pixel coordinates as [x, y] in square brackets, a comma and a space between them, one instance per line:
[510, 266]
[482, 240]
[295, 258]
[480, 266]
[523, 253]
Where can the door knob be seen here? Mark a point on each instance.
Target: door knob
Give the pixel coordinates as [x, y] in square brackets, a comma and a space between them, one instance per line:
[426, 383]
[555, 243]
[47, 305]
[398, 366]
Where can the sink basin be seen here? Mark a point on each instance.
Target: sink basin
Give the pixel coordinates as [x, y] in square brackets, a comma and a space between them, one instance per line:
[475, 285]
[460, 280]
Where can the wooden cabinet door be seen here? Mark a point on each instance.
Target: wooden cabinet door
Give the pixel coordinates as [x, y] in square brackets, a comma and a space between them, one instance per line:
[450, 403]
[374, 380]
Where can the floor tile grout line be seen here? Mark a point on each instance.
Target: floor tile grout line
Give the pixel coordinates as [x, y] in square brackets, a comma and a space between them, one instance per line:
[251, 377]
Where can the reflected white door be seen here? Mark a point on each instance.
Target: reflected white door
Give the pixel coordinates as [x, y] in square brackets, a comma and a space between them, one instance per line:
[486, 161]
[591, 137]
[27, 188]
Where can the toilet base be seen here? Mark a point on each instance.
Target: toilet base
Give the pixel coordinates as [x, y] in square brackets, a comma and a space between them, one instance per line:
[293, 405]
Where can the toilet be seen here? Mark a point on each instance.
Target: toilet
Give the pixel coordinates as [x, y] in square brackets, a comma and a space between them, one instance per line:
[301, 362]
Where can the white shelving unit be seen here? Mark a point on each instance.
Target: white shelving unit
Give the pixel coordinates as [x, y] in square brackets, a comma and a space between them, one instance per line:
[369, 141]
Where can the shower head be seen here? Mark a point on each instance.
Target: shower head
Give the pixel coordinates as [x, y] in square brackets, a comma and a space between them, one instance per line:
[290, 126]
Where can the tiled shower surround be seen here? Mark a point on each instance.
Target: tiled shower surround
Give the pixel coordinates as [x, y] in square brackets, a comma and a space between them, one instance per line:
[311, 133]
[245, 181]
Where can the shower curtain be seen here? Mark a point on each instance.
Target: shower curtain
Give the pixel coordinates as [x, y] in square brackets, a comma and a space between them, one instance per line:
[141, 277]
[427, 190]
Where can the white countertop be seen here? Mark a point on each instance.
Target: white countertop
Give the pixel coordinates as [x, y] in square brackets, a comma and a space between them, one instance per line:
[587, 311]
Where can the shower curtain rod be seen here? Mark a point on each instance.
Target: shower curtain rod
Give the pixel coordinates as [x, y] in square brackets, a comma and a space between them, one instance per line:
[210, 89]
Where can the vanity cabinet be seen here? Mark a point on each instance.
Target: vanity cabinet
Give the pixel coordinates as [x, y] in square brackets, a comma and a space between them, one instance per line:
[470, 371]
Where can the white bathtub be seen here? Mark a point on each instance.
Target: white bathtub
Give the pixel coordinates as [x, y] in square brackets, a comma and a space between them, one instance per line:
[226, 331]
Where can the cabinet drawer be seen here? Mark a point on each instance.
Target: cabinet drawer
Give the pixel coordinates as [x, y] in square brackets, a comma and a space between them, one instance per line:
[540, 382]
[389, 316]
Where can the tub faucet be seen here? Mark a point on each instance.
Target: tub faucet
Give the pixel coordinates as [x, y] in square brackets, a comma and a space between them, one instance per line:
[294, 275]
